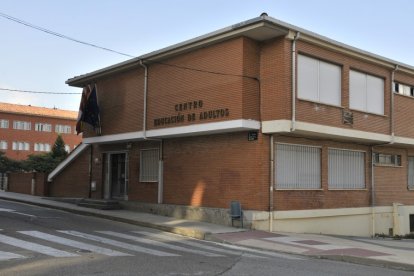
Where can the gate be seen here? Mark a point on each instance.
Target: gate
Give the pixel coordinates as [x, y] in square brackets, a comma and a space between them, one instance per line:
[3, 182]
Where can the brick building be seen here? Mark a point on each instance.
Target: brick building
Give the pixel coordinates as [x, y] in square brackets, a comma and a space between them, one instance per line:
[26, 130]
[309, 134]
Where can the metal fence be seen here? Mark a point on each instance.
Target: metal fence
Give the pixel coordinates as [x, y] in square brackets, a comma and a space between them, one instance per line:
[3, 182]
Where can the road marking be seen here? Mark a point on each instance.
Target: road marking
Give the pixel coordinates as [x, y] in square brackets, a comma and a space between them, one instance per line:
[72, 243]
[194, 244]
[160, 244]
[119, 244]
[35, 247]
[14, 212]
[8, 256]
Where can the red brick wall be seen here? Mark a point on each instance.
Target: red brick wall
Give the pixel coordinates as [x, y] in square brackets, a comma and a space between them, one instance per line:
[73, 181]
[22, 183]
[32, 136]
[215, 169]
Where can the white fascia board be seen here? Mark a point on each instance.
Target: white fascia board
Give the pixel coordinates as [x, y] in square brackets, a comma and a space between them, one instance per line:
[75, 153]
[191, 130]
[203, 129]
[122, 137]
[283, 126]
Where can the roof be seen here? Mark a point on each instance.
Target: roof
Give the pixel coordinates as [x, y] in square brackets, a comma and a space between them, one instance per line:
[260, 28]
[38, 111]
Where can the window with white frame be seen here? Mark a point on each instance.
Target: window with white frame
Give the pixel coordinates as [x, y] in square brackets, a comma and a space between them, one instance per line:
[319, 81]
[3, 145]
[346, 169]
[366, 92]
[63, 129]
[43, 127]
[20, 146]
[411, 172]
[42, 147]
[149, 164]
[4, 123]
[403, 89]
[22, 125]
[298, 167]
[383, 159]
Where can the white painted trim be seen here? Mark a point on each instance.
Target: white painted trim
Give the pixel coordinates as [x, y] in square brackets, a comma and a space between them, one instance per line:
[122, 137]
[75, 153]
[207, 128]
[183, 131]
[283, 126]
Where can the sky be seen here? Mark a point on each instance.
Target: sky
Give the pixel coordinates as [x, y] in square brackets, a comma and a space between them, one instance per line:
[32, 60]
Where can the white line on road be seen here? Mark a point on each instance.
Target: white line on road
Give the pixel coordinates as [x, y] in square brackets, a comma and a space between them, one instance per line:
[194, 244]
[72, 243]
[119, 244]
[160, 244]
[35, 247]
[8, 256]
[14, 212]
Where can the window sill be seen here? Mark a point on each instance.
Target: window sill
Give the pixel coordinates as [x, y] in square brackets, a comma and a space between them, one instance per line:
[406, 96]
[388, 166]
[298, 189]
[363, 189]
[368, 113]
[320, 103]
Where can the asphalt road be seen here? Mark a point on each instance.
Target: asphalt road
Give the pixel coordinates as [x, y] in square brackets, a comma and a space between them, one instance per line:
[41, 241]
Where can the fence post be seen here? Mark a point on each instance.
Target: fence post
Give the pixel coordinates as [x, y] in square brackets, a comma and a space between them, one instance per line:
[33, 187]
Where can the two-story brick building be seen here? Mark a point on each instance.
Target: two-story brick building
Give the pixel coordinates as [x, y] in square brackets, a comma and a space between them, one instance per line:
[309, 134]
[26, 129]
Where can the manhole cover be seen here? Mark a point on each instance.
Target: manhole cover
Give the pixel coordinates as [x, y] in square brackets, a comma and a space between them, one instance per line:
[84, 251]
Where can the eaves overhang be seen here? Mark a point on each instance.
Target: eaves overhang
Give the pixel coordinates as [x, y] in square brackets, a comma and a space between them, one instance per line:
[260, 29]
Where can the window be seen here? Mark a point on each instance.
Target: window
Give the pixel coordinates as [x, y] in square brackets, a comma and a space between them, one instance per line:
[346, 169]
[149, 162]
[20, 146]
[366, 92]
[63, 129]
[404, 89]
[319, 81]
[3, 145]
[4, 123]
[298, 167]
[382, 159]
[43, 127]
[41, 147]
[411, 173]
[22, 125]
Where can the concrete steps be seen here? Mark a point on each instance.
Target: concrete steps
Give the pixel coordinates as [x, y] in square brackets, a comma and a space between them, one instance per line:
[101, 204]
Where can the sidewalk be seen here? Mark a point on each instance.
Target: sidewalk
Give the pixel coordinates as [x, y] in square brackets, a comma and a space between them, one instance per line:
[397, 254]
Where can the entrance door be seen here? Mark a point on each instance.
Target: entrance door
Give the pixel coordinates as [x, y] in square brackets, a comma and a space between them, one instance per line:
[117, 176]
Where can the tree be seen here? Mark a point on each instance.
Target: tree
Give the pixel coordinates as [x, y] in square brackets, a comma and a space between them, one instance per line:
[46, 162]
[8, 165]
[58, 149]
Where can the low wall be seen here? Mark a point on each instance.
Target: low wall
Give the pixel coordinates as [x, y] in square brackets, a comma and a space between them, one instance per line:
[27, 183]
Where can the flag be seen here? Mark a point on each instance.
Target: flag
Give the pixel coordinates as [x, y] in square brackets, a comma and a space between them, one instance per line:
[88, 109]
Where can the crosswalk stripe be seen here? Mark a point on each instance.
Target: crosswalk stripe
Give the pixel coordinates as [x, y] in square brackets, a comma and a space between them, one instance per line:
[35, 247]
[186, 242]
[72, 243]
[8, 256]
[119, 244]
[160, 244]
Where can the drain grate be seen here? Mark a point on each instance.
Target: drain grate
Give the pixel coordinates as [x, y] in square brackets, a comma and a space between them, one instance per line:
[83, 251]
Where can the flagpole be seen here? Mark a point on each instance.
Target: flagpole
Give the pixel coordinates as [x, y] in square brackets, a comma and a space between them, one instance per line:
[99, 114]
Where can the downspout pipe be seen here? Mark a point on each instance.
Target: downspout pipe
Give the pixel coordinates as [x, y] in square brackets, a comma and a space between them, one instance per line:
[144, 134]
[293, 77]
[392, 104]
[272, 182]
[144, 120]
[372, 193]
